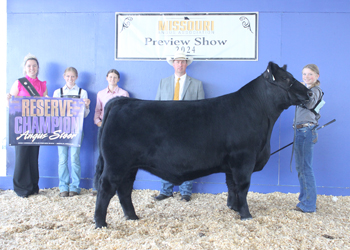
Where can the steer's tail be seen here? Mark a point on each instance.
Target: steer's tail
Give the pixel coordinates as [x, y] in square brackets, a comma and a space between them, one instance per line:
[100, 161]
[99, 170]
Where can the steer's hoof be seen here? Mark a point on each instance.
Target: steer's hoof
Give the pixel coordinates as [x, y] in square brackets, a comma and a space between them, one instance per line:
[100, 225]
[131, 217]
[246, 218]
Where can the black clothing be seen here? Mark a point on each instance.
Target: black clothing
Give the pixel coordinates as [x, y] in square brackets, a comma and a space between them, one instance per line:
[26, 174]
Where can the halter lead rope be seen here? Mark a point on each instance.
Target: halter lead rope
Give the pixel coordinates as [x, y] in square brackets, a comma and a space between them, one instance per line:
[295, 131]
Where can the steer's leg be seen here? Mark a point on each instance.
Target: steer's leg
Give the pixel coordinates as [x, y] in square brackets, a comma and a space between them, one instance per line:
[105, 192]
[124, 193]
[241, 178]
[232, 201]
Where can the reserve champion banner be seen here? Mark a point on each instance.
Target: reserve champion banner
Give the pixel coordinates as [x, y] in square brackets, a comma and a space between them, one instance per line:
[45, 121]
[205, 36]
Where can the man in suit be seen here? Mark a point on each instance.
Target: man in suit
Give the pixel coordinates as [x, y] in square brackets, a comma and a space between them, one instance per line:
[179, 86]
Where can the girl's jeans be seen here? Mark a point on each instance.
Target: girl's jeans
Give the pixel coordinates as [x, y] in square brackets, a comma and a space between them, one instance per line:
[304, 144]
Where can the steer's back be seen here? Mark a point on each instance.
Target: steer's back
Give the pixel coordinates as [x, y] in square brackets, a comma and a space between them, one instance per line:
[175, 140]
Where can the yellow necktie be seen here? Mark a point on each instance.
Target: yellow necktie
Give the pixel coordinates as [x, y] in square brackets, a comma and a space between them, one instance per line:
[177, 89]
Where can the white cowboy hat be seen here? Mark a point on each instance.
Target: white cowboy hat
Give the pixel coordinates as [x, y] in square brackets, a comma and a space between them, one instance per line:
[179, 55]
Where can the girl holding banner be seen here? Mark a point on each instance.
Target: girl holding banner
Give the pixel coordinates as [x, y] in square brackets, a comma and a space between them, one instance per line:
[26, 173]
[70, 90]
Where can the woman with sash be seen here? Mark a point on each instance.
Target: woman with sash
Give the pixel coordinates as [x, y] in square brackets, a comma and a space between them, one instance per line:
[26, 173]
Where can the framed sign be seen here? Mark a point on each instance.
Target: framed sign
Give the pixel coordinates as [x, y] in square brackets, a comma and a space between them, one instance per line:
[205, 36]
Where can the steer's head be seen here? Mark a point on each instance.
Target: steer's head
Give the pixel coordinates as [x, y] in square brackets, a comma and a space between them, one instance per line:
[291, 90]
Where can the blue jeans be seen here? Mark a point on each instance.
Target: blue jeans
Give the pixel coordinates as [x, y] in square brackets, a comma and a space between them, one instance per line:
[304, 145]
[185, 188]
[63, 171]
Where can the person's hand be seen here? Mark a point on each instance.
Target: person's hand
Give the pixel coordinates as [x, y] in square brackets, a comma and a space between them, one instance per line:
[8, 96]
[87, 103]
[99, 124]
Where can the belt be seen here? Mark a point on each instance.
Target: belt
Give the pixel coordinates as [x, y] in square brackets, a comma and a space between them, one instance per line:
[305, 125]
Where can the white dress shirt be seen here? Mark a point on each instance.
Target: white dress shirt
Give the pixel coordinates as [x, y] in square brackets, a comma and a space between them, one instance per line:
[73, 91]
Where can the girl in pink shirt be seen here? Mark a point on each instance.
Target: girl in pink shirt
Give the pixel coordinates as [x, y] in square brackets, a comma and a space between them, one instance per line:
[105, 95]
[108, 93]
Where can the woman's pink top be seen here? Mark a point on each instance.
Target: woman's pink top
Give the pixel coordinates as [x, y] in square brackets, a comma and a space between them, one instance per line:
[38, 85]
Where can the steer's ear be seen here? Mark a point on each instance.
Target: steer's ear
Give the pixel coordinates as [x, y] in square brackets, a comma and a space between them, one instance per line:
[268, 73]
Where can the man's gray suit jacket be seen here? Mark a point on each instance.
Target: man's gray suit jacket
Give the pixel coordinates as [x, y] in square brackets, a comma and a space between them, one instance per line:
[193, 89]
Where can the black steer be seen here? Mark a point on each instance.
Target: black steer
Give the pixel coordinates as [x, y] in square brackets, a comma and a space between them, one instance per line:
[184, 140]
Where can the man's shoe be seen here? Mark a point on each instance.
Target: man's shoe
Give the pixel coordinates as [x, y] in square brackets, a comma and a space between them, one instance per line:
[186, 198]
[64, 194]
[162, 197]
[71, 194]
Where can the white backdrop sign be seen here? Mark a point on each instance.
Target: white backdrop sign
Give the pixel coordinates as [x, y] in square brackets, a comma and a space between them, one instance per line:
[205, 36]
